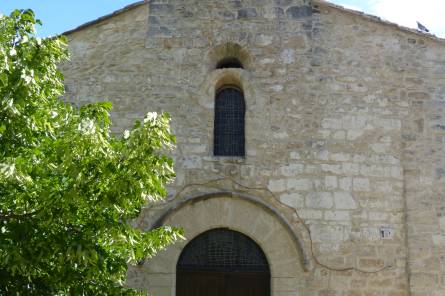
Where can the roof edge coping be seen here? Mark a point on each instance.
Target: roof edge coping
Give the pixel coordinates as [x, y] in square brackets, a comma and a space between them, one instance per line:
[378, 19]
[105, 17]
[364, 15]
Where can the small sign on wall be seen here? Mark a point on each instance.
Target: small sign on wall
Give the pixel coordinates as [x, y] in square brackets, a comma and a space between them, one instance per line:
[386, 232]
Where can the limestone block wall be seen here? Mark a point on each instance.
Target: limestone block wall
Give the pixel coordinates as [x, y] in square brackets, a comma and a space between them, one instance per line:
[423, 160]
[345, 129]
[404, 74]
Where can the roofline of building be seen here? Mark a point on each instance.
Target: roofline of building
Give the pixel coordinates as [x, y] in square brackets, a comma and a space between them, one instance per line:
[105, 17]
[377, 19]
[369, 17]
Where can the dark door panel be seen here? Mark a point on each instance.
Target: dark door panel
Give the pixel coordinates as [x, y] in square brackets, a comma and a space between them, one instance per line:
[194, 283]
[200, 284]
[247, 284]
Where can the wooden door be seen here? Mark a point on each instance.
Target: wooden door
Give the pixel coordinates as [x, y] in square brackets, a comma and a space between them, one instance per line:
[222, 284]
[247, 284]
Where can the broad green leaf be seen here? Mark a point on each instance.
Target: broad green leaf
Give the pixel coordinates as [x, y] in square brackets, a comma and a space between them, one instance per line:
[67, 185]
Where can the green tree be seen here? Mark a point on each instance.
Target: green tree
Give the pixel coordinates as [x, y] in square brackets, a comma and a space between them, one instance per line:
[68, 187]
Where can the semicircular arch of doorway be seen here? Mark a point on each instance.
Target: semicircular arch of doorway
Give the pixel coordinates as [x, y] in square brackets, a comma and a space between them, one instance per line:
[263, 206]
[242, 213]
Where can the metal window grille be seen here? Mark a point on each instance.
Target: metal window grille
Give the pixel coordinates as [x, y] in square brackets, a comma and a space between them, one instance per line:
[229, 123]
[223, 250]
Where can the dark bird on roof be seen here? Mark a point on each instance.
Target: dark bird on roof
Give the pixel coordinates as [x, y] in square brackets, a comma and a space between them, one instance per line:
[422, 28]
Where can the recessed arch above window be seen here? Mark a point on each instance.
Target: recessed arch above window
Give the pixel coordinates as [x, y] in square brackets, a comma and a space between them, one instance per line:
[229, 55]
[229, 62]
[228, 133]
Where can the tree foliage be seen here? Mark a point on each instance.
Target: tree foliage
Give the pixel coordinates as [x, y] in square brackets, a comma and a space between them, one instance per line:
[68, 187]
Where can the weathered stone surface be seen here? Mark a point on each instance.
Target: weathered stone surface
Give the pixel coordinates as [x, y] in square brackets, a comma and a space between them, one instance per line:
[344, 201]
[319, 200]
[298, 12]
[344, 120]
[247, 13]
[293, 200]
[160, 8]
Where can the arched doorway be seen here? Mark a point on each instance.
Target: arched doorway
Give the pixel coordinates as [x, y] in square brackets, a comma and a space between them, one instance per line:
[287, 255]
[222, 262]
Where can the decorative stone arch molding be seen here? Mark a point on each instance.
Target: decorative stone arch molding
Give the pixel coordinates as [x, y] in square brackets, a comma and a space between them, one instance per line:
[245, 214]
[229, 76]
[230, 49]
[241, 78]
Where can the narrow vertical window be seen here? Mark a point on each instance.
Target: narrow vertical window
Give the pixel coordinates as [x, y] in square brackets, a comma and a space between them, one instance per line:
[230, 109]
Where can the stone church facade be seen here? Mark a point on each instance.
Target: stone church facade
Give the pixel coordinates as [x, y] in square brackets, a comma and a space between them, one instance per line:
[340, 180]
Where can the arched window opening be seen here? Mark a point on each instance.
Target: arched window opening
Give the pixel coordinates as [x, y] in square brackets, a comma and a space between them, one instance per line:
[229, 62]
[228, 131]
[222, 262]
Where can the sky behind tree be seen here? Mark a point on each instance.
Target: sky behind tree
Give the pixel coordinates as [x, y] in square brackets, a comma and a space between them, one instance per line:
[59, 16]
